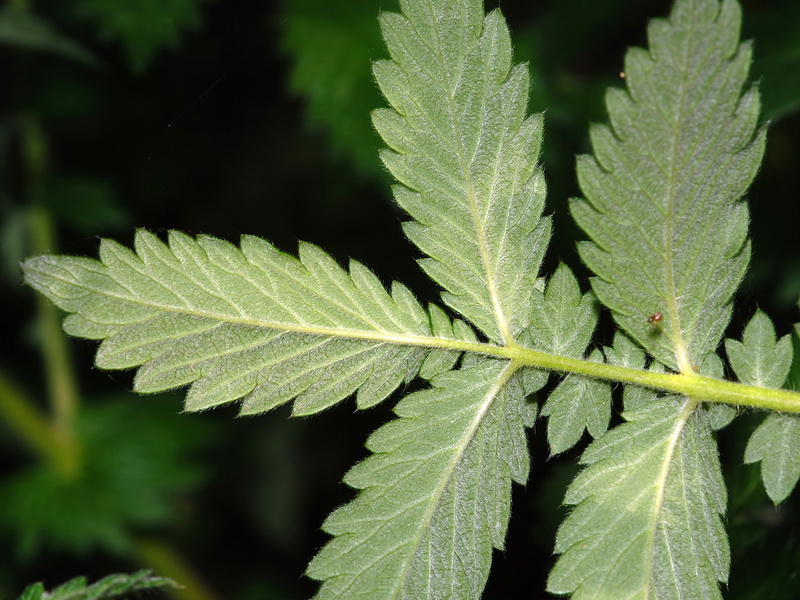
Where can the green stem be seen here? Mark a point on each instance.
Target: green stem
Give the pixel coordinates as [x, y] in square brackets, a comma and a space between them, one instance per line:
[164, 561]
[20, 412]
[59, 374]
[692, 385]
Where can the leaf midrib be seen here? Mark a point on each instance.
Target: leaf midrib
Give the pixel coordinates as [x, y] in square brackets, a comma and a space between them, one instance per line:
[661, 486]
[489, 272]
[488, 399]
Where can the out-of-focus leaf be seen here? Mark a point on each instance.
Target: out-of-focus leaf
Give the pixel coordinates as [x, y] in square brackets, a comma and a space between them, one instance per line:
[776, 61]
[330, 44]
[23, 29]
[87, 205]
[112, 586]
[142, 27]
[134, 463]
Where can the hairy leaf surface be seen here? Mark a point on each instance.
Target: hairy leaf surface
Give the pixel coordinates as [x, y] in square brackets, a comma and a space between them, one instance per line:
[647, 521]
[761, 360]
[253, 323]
[668, 245]
[562, 322]
[465, 154]
[663, 188]
[435, 494]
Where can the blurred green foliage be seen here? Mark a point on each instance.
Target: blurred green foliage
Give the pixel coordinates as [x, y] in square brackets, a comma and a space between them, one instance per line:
[331, 45]
[258, 123]
[135, 466]
[142, 27]
[109, 587]
[25, 30]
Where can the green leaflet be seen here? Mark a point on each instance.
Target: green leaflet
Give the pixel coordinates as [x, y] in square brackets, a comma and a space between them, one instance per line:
[465, 154]
[663, 189]
[667, 233]
[112, 586]
[577, 403]
[435, 494]
[761, 360]
[647, 521]
[252, 323]
[562, 322]
[776, 443]
[758, 359]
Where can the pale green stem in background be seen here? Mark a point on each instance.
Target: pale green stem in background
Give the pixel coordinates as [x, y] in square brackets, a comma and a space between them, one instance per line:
[60, 377]
[162, 559]
[21, 414]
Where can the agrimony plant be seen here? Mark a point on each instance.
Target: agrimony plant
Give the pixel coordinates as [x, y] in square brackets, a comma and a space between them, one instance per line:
[667, 228]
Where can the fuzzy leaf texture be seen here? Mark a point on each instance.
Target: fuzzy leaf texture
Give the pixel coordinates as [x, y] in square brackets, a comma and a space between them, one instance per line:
[435, 494]
[252, 323]
[668, 235]
[646, 524]
[663, 188]
[562, 322]
[761, 360]
[465, 153]
[113, 586]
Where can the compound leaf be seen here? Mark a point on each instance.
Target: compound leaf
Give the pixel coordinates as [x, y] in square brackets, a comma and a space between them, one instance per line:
[465, 154]
[112, 586]
[562, 322]
[252, 323]
[435, 494]
[647, 521]
[663, 190]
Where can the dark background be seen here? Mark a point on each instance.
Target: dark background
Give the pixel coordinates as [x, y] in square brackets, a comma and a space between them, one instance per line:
[252, 117]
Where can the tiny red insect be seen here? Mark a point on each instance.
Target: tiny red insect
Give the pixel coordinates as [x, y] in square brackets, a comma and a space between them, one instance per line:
[655, 318]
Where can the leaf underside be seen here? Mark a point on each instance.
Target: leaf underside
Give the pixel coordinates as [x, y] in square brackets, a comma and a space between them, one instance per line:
[663, 188]
[465, 153]
[759, 359]
[252, 323]
[667, 235]
[647, 522]
[435, 494]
